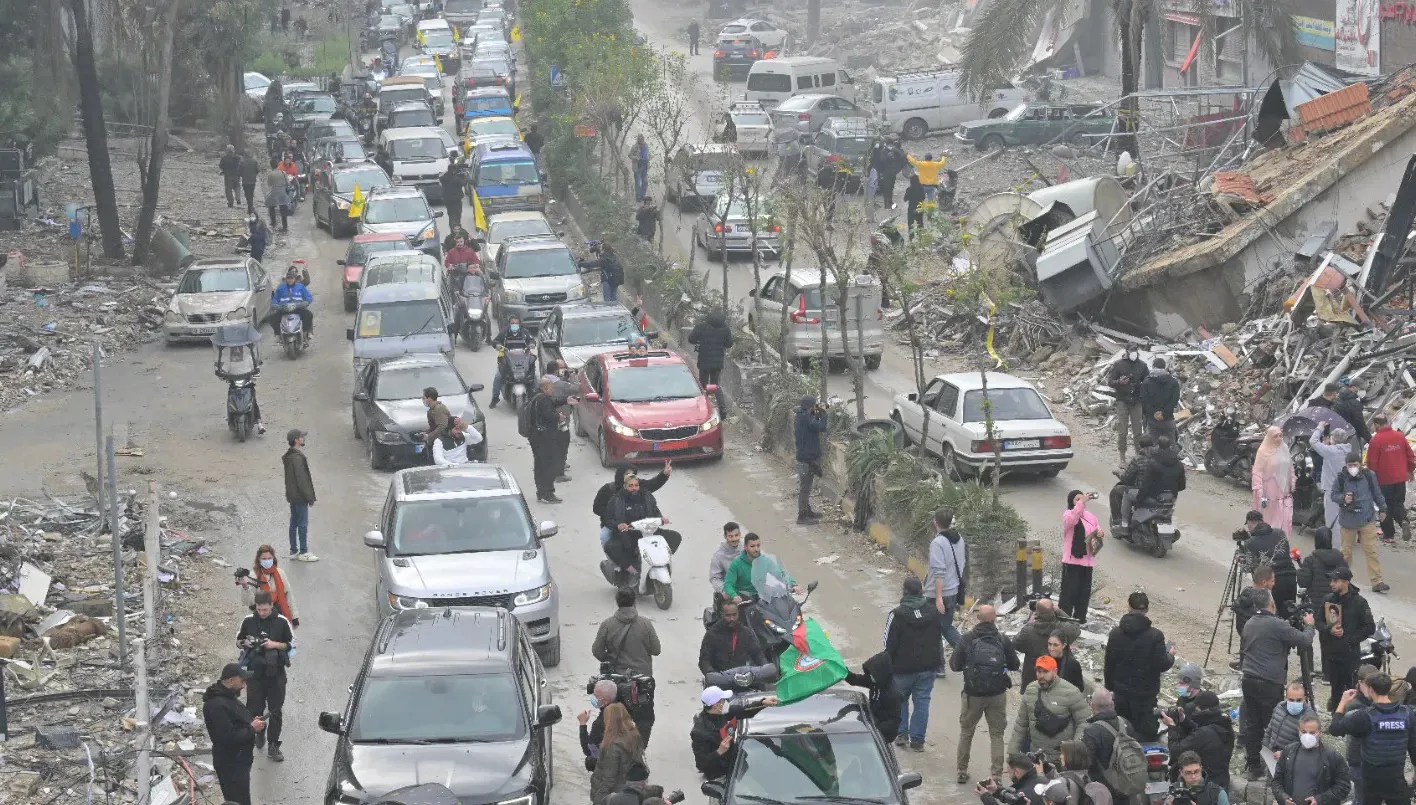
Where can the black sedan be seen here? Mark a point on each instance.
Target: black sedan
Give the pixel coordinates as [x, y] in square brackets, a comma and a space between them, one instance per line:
[389, 414]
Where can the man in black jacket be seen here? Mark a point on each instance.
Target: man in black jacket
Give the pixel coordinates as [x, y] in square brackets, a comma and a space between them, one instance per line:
[1268, 544]
[1165, 474]
[1208, 732]
[266, 637]
[1348, 405]
[713, 337]
[592, 721]
[914, 635]
[711, 736]
[1023, 777]
[630, 504]
[877, 675]
[546, 421]
[601, 506]
[1100, 736]
[230, 167]
[249, 170]
[1245, 604]
[727, 644]
[1342, 641]
[454, 184]
[807, 426]
[1136, 656]
[1160, 396]
[1309, 771]
[233, 734]
[984, 656]
[1125, 378]
[1128, 482]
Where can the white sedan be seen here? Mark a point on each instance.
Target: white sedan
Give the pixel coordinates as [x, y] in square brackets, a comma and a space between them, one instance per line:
[1032, 439]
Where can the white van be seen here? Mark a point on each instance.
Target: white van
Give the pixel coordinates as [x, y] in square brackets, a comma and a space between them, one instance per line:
[916, 103]
[772, 81]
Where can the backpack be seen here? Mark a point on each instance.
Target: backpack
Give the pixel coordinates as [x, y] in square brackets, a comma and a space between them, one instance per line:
[525, 425]
[986, 673]
[1128, 771]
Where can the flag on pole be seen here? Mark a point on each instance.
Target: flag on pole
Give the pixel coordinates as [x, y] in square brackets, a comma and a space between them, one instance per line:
[438, 61]
[421, 39]
[516, 33]
[809, 665]
[356, 204]
[479, 218]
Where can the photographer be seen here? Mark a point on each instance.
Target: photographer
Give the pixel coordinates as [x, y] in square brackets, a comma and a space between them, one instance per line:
[1309, 773]
[1194, 788]
[1207, 732]
[1265, 644]
[1027, 785]
[1362, 507]
[712, 734]
[266, 576]
[1342, 641]
[1267, 545]
[807, 427]
[265, 639]
[628, 644]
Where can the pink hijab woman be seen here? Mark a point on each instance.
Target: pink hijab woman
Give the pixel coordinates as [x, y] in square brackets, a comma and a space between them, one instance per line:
[1273, 482]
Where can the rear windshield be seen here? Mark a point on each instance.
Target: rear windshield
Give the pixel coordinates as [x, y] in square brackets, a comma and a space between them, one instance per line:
[438, 39]
[507, 173]
[391, 97]
[769, 82]
[753, 119]
[852, 146]
[1007, 404]
[501, 230]
[461, 6]
[392, 319]
[411, 118]
[489, 104]
[314, 106]
[366, 179]
[417, 148]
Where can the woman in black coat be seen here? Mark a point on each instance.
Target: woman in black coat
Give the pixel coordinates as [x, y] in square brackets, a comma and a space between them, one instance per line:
[878, 676]
[1067, 666]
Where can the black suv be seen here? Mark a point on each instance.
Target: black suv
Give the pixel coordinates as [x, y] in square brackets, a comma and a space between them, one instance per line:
[735, 55]
[820, 748]
[457, 689]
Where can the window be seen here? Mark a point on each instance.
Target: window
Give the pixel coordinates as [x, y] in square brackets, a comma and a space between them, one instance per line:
[507, 173]
[539, 263]
[526, 680]
[948, 400]
[452, 708]
[395, 210]
[773, 289]
[417, 149]
[829, 80]
[366, 179]
[654, 383]
[214, 280]
[587, 330]
[408, 383]
[769, 82]
[1008, 404]
[812, 765]
[501, 230]
[804, 82]
[395, 319]
[359, 253]
[594, 375]
[461, 525]
[931, 393]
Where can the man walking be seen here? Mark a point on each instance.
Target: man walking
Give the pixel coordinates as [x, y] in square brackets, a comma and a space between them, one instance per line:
[545, 425]
[233, 734]
[1388, 737]
[892, 161]
[230, 167]
[534, 140]
[265, 639]
[249, 170]
[693, 33]
[454, 184]
[713, 338]
[1136, 656]
[1362, 507]
[300, 494]
[948, 557]
[914, 641]
[1125, 378]
[1390, 457]
[1265, 644]
[1342, 641]
[984, 656]
[807, 428]
[646, 220]
[629, 643]
[639, 158]
[1160, 395]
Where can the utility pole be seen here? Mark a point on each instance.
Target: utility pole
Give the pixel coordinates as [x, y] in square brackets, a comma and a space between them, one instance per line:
[98, 421]
[152, 546]
[813, 21]
[114, 527]
[142, 724]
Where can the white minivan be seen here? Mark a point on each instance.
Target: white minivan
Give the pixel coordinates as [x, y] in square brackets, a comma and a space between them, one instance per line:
[914, 104]
[772, 81]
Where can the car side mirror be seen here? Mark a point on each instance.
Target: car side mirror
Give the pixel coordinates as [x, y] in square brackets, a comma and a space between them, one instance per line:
[549, 714]
[713, 789]
[548, 528]
[752, 293]
[909, 779]
[475, 387]
[374, 539]
[550, 342]
[913, 396]
[811, 586]
[349, 333]
[339, 262]
[334, 723]
[592, 396]
[361, 396]
[438, 213]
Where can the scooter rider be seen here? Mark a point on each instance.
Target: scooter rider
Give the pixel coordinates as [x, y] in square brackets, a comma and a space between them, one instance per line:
[462, 254]
[601, 507]
[727, 644]
[513, 337]
[1128, 481]
[1164, 475]
[723, 557]
[243, 362]
[289, 292]
[629, 505]
[737, 584]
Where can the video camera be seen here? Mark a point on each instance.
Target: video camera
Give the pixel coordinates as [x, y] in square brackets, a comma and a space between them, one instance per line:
[630, 689]
[1004, 793]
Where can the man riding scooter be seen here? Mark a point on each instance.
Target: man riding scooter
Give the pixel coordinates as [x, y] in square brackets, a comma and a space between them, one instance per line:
[462, 255]
[513, 337]
[631, 504]
[290, 292]
[1164, 475]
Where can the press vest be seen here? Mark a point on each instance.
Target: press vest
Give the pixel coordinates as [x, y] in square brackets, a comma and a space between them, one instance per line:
[1385, 746]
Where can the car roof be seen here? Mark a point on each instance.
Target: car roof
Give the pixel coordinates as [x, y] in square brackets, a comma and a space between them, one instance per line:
[488, 118]
[969, 381]
[401, 256]
[446, 640]
[743, 21]
[857, 125]
[414, 132]
[710, 148]
[403, 106]
[587, 310]
[655, 357]
[397, 191]
[378, 237]
[487, 92]
[528, 243]
[804, 100]
[399, 292]
[458, 481]
[834, 710]
[503, 150]
[340, 168]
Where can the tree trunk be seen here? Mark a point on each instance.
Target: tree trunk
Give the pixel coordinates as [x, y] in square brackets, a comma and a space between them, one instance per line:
[96, 133]
[990, 433]
[152, 177]
[786, 283]
[813, 21]
[1128, 25]
[233, 99]
[825, 341]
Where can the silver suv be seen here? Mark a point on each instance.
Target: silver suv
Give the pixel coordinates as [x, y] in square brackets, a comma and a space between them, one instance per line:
[403, 211]
[533, 274]
[463, 536]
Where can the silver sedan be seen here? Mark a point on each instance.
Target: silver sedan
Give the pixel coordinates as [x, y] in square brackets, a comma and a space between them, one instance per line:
[214, 292]
[724, 226]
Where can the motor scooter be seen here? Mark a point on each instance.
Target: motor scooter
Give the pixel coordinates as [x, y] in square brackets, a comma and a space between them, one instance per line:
[238, 363]
[518, 374]
[774, 613]
[473, 314]
[655, 575]
[1231, 452]
[293, 336]
[1152, 526]
[1157, 773]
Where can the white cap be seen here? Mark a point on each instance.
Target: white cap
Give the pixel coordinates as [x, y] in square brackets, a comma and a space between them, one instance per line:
[715, 694]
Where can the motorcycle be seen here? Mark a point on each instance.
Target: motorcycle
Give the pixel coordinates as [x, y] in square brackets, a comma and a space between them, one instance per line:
[472, 296]
[775, 613]
[292, 329]
[1378, 649]
[518, 374]
[743, 678]
[1231, 452]
[1157, 773]
[1152, 525]
[655, 574]
[237, 363]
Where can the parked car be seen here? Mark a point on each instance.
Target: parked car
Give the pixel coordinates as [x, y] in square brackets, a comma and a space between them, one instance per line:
[457, 689]
[836, 155]
[646, 408]
[746, 126]
[388, 410]
[1031, 438]
[695, 174]
[578, 332]
[803, 300]
[255, 85]
[361, 249]
[403, 210]
[215, 291]
[724, 226]
[1039, 123]
[332, 193]
[533, 274]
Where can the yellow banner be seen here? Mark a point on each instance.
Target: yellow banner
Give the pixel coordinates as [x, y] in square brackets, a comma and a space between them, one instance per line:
[516, 33]
[988, 343]
[356, 205]
[479, 217]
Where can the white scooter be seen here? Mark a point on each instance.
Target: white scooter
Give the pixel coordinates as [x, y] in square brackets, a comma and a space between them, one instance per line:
[655, 564]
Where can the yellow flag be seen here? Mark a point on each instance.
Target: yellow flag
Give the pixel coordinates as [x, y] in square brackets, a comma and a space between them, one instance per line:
[438, 61]
[479, 218]
[422, 40]
[516, 33]
[988, 342]
[516, 104]
[455, 37]
[356, 205]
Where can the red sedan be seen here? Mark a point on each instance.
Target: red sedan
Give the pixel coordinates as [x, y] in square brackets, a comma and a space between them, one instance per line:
[361, 248]
[647, 408]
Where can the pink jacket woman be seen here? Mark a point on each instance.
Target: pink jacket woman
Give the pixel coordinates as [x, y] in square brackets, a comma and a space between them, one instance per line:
[1077, 512]
[1273, 480]
[1078, 524]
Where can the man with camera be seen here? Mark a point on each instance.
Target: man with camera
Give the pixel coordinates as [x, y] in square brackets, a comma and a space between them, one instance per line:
[1361, 507]
[626, 645]
[1026, 783]
[1207, 731]
[1265, 644]
[1309, 773]
[265, 639]
[1193, 788]
[1265, 544]
[1341, 639]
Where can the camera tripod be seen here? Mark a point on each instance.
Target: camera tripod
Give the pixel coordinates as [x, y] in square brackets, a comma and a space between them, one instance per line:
[1238, 566]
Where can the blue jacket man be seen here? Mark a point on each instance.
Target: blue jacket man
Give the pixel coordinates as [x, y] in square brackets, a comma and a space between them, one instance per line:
[289, 292]
[807, 428]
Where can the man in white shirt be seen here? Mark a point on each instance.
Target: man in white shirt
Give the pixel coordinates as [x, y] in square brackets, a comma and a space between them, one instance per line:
[452, 448]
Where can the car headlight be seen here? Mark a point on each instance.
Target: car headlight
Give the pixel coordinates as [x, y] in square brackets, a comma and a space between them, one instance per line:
[514, 296]
[621, 428]
[341, 204]
[429, 231]
[173, 317]
[578, 292]
[713, 422]
[237, 314]
[528, 598]
[389, 437]
[402, 601]
[527, 799]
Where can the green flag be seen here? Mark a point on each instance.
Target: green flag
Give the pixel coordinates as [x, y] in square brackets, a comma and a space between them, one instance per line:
[809, 665]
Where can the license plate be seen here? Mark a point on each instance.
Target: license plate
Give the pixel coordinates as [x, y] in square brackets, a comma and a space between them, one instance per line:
[1022, 444]
[1165, 528]
[203, 331]
[1157, 787]
[417, 448]
[656, 446]
[710, 179]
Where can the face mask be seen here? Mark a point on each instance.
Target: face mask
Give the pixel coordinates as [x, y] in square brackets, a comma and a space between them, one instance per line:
[1294, 708]
[515, 328]
[1353, 471]
[594, 703]
[1182, 690]
[1308, 739]
[267, 563]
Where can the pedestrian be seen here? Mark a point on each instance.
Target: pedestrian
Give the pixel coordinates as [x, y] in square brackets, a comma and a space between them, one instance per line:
[914, 641]
[892, 161]
[1348, 405]
[1100, 734]
[722, 556]
[534, 140]
[1318, 565]
[711, 737]
[1081, 534]
[646, 219]
[1283, 724]
[1208, 732]
[1353, 749]
[257, 236]
[1126, 376]
[1269, 545]
[1203, 791]
[1032, 639]
[1244, 603]
[266, 576]
[233, 733]
[230, 168]
[885, 703]
[453, 183]
[1052, 711]
[1387, 732]
[1329, 447]
[611, 272]
[266, 639]
[248, 171]
[1136, 656]
[285, 20]
[628, 642]
[914, 196]
[639, 158]
[1067, 665]
[439, 417]
[1390, 457]
[1363, 506]
[453, 448]
[277, 195]
[1160, 396]
[300, 28]
[983, 656]
[807, 428]
[545, 447]
[713, 338]
[1309, 771]
[693, 33]
[948, 561]
[592, 721]
[872, 182]
[927, 172]
[1272, 481]
[1341, 640]
[562, 393]
[1266, 641]
[300, 494]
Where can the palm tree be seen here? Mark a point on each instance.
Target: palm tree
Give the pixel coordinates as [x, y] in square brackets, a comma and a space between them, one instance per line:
[1007, 30]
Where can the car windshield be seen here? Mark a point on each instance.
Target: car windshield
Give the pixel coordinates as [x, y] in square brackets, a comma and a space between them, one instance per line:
[397, 210]
[507, 173]
[438, 39]
[1017, 113]
[1007, 404]
[315, 105]
[753, 119]
[587, 330]
[408, 383]
[390, 98]
[461, 6]
[769, 82]
[663, 381]
[409, 118]
[808, 765]
[710, 161]
[256, 81]
[394, 319]
[367, 179]
[501, 230]
[498, 67]
[401, 269]
[540, 263]
[461, 525]
[462, 708]
[417, 149]
[852, 146]
[214, 280]
[332, 128]
[359, 253]
[494, 128]
[494, 103]
[349, 149]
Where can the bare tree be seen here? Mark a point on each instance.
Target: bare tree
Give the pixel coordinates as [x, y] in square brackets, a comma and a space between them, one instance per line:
[666, 112]
[95, 133]
[157, 151]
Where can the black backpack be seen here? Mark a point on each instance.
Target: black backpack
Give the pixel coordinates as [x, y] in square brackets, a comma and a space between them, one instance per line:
[986, 673]
[525, 423]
